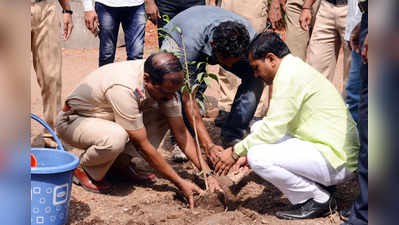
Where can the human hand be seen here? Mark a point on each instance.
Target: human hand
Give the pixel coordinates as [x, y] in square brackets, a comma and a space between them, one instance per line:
[189, 189]
[225, 162]
[91, 21]
[212, 153]
[214, 184]
[242, 161]
[365, 49]
[151, 10]
[68, 25]
[354, 39]
[212, 2]
[306, 19]
[275, 14]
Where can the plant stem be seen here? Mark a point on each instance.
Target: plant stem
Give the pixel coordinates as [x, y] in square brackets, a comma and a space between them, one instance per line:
[202, 163]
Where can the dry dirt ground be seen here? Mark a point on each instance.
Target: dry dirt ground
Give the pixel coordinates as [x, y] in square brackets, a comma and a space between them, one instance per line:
[162, 203]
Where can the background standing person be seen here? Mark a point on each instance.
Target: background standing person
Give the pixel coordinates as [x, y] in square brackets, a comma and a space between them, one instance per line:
[105, 18]
[327, 36]
[359, 42]
[353, 83]
[47, 56]
[297, 38]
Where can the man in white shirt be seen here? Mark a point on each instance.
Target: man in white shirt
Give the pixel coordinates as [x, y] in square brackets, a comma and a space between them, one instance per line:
[105, 18]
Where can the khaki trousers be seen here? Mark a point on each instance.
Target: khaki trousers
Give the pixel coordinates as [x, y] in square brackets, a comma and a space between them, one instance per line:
[103, 140]
[255, 11]
[46, 52]
[297, 39]
[327, 39]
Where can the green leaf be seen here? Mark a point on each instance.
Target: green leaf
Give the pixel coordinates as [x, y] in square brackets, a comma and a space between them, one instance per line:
[201, 104]
[206, 82]
[166, 18]
[192, 62]
[176, 28]
[200, 76]
[213, 76]
[199, 64]
[194, 87]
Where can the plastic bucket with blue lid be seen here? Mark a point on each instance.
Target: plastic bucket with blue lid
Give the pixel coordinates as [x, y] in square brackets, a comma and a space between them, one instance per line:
[51, 182]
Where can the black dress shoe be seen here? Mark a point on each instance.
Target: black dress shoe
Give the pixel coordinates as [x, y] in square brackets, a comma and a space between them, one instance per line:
[308, 210]
[221, 118]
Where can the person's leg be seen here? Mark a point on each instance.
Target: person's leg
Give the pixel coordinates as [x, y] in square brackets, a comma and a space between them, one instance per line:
[166, 8]
[323, 42]
[103, 140]
[244, 105]
[47, 60]
[133, 24]
[359, 212]
[109, 20]
[353, 86]
[297, 39]
[296, 168]
[341, 12]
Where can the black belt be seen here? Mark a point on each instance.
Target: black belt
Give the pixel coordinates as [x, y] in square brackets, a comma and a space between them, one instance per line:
[338, 2]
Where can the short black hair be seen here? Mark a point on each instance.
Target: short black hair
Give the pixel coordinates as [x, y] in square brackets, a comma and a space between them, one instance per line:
[231, 39]
[268, 42]
[158, 68]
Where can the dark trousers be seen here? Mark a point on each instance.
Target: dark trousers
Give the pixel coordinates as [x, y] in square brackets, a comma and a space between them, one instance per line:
[359, 212]
[133, 24]
[172, 8]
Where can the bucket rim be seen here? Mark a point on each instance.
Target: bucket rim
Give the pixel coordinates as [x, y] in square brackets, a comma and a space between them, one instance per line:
[55, 169]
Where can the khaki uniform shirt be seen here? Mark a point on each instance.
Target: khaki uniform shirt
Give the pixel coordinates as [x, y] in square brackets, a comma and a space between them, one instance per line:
[116, 92]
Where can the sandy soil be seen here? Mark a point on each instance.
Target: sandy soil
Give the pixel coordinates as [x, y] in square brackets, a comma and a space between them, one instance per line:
[162, 203]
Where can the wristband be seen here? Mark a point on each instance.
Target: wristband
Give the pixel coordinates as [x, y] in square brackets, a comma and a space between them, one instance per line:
[235, 156]
[67, 11]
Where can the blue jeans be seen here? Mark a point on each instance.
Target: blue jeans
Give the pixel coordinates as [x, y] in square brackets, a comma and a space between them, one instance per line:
[353, 86]
[245, 101]
[133, 24]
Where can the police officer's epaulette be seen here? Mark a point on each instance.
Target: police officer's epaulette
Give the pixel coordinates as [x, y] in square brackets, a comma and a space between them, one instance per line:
[138, 93]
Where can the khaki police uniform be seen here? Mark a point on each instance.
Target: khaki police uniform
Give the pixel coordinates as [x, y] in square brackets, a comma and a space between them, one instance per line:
[328, 38]
[255, 11]
[297, 39]
[109, 101]
[46, 52]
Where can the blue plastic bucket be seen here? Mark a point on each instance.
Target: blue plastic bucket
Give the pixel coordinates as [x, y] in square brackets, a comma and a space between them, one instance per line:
[51, 182]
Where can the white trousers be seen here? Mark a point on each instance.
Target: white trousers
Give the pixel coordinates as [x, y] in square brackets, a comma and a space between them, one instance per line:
[295, 167]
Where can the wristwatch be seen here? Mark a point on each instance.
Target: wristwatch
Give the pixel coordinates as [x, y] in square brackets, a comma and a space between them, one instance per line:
[67, 11]
[235, 156]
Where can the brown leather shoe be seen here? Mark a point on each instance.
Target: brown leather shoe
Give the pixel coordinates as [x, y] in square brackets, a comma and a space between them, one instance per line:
[80, 177]
[131, 174]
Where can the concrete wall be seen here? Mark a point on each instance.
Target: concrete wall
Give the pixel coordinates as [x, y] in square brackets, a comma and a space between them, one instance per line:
[81, 37]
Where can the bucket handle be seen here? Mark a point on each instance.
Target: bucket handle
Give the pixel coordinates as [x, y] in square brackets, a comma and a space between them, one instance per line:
[44, 124]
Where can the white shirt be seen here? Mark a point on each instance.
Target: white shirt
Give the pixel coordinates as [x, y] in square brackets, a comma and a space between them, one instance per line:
[89, 6]
[352, 18]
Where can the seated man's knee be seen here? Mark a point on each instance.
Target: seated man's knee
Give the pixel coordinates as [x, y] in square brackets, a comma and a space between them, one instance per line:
[115, 140]
[258, 160]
